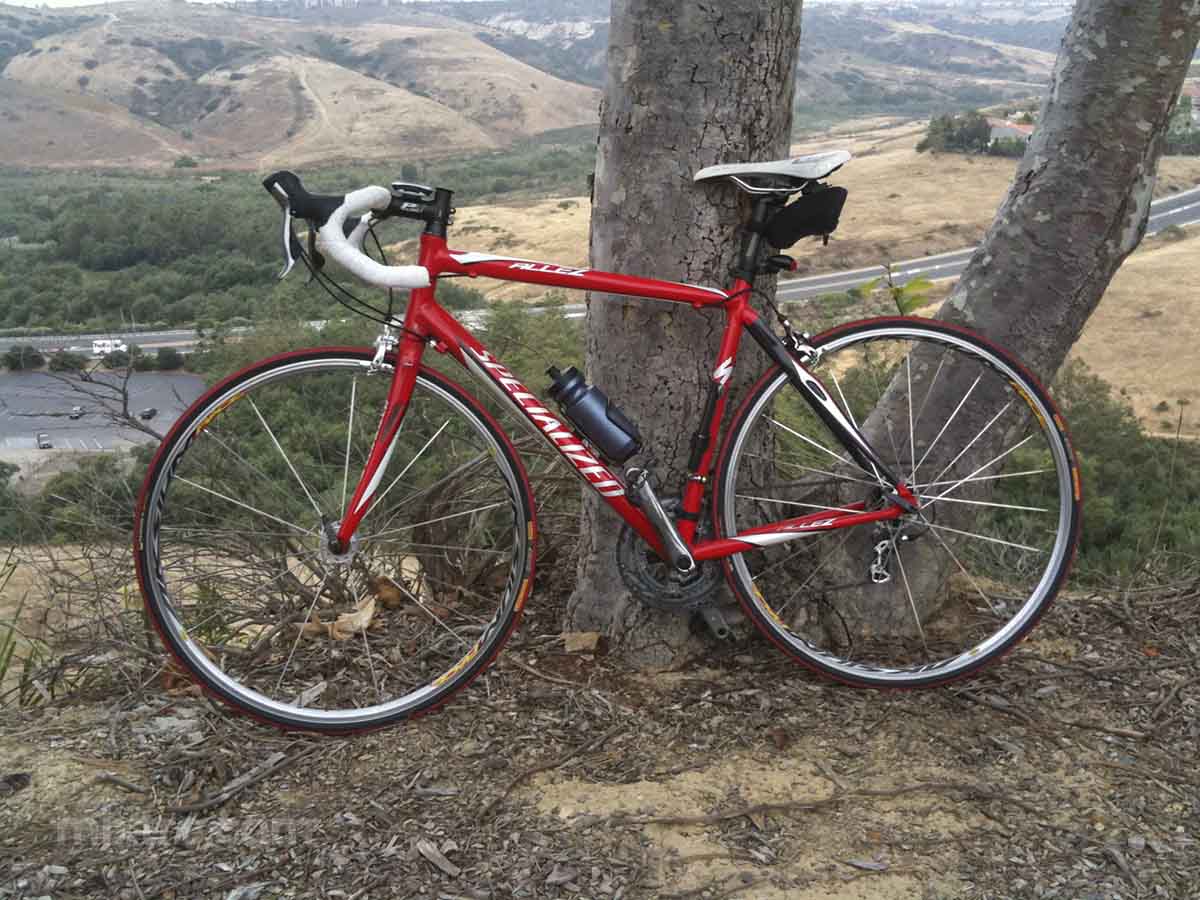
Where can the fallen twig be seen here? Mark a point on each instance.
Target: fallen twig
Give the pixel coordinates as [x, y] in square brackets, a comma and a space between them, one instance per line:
[554, 764]
[1179, 686]
[269, 766]
[539, 674]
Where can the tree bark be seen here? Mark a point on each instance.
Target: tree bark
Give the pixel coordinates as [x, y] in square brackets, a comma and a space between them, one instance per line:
[1081, 197]
[689, 85]
[1077, 207]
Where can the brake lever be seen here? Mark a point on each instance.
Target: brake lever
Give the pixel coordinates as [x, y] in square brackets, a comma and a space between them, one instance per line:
[291, 244]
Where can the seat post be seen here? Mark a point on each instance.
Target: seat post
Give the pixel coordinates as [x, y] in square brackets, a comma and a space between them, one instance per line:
[747, 267]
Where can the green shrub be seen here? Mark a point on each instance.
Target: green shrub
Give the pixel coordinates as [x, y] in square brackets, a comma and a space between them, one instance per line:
[66, 361]
[169, 359]
[1141, 494]
[24, 357]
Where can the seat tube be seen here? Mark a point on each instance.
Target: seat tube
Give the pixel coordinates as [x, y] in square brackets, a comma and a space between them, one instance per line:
[738, 314]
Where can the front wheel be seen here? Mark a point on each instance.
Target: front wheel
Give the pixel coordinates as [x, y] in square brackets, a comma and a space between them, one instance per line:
[947, 588]
[232, 541]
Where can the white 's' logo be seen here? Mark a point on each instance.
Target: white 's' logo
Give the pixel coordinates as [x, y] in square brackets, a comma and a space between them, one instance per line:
[723, 371]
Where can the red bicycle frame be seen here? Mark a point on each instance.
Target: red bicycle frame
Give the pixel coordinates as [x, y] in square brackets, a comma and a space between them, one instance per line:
[426, 322]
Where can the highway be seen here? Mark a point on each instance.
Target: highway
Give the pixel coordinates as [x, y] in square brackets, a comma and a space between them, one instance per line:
[1180, 209]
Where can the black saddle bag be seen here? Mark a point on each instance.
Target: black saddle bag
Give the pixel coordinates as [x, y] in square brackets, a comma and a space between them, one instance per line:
[814, 213]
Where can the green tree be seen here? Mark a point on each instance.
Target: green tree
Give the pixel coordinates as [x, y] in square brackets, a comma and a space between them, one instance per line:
[66, 361]
[169, 359]
[23, 358]
[118, 359]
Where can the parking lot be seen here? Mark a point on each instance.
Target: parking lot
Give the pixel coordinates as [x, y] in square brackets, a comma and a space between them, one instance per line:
[40, 403]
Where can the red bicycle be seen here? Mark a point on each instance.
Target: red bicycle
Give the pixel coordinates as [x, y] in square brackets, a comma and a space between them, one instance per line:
[895, 503]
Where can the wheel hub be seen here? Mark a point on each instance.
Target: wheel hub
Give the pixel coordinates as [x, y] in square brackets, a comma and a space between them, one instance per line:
[332, 551]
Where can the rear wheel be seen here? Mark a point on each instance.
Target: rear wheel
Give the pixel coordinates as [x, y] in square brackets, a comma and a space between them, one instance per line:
[234, 556]
[945, 589]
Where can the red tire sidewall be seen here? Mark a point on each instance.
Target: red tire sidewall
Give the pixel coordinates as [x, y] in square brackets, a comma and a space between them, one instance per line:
[462, 679]
[722, 473]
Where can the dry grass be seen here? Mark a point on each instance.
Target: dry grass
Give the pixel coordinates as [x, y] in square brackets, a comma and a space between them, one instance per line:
[352, 111]
[905, 205]
[1143, 335]
[51, 127]
[432, 91]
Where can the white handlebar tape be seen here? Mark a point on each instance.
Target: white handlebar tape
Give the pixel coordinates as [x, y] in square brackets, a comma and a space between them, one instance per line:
[347, 253]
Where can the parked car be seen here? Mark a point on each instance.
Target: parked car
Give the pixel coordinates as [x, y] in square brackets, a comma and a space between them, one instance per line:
[76, 412]
[148, 413]
[44, 442]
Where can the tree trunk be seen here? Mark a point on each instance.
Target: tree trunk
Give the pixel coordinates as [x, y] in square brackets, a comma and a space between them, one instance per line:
[689, 85]
[1077, 207]
[1081, 197]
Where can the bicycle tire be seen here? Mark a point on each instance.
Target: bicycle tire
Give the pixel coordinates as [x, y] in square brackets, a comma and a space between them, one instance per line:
[400, 579]
[844, 626]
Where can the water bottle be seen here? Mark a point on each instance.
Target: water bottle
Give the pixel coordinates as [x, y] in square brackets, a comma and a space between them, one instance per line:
[594, 414]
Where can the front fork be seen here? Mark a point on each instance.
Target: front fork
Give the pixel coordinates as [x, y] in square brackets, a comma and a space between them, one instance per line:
[404, 379]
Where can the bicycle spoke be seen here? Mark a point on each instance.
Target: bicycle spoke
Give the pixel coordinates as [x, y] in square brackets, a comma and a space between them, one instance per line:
[245, 506]
[466, 512]
[845, 405]
[287, 459]
[406, 544]
[371, 665]
[300, 632]
[929, 393]
[986, 465]
[821, 506]
[911, 603]
[974, 440]
[963, 569]
[953, 416]
[425, 609]
[821, 447]
[984, 537]
[912, 440]
[988, 503]
[836, 475]
[813, 574]
[411, 463]
[213, 433]
[970, 480]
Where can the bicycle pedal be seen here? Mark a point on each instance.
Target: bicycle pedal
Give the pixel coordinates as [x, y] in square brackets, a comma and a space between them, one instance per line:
[717, 622]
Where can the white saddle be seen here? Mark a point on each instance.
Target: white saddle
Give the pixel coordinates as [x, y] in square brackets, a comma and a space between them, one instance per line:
[802, 168]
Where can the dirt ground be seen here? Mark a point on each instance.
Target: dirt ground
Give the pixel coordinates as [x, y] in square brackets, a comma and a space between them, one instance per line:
[1067, 771]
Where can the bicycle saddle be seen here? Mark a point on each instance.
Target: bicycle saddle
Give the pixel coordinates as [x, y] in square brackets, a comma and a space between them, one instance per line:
[801, 168]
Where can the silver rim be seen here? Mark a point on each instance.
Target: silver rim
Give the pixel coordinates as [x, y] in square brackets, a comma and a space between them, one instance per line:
[968, 573]
[250, 595]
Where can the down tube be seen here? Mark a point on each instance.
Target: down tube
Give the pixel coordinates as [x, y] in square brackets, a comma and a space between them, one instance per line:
[489, 370]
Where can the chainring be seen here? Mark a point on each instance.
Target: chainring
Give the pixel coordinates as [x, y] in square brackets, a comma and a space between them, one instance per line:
[657, 583]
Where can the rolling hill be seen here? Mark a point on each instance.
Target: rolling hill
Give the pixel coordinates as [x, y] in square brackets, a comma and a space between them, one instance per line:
[148, 83]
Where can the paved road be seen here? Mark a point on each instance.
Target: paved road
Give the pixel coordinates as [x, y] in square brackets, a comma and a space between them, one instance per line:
[35, 402]
[1178, 209]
